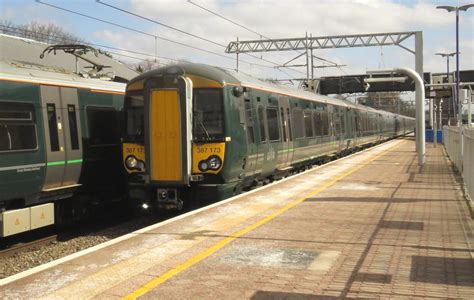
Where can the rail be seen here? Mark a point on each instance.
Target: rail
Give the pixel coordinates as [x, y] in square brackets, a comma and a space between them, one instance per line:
[464, 163]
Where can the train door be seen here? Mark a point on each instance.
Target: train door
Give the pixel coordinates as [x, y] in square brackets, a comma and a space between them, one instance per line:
[287, 150]
[62, 137]
[252, 153]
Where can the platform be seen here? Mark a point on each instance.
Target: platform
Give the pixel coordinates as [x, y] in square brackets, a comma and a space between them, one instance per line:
[373, 224]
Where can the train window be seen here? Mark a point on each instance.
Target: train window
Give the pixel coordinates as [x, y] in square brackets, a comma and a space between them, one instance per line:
[103, 125]
[282, 115]
[208, 115]
[343, 124]
[261, 121]
[298, 123]
[324, 123]
[308, 123]
[289, 124]
[272, 119]
[71, 111]
[316, 122]
[53, 127]
[17, 127]
[133, 108]
[249, 118]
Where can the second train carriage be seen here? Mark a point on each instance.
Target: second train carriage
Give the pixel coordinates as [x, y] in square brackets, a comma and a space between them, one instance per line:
[59, 135]
[195, 131]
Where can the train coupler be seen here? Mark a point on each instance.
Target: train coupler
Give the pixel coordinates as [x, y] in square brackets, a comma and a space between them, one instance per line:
[168, 199]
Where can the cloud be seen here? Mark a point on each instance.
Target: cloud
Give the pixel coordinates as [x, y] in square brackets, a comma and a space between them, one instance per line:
[274, 19]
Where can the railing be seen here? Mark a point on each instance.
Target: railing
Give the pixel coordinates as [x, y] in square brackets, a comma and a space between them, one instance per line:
[468, 164]
[464, 164]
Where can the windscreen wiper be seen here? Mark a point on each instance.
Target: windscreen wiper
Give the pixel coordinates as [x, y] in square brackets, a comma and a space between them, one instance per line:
[205, 130]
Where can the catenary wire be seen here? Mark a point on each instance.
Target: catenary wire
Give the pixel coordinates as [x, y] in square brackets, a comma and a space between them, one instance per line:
[185, 32]
[149, 34]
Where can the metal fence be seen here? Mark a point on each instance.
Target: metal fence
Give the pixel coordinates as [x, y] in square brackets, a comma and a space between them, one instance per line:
[464, 164]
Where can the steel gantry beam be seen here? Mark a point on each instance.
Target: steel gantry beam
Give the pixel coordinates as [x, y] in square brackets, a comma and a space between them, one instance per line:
[323, 42]
[310, 43]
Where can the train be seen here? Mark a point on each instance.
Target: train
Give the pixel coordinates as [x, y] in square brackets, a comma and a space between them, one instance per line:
[196, 132]
[59, 141]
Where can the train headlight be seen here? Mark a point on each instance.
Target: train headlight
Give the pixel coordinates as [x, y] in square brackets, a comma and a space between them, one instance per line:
[214, 162]
[131, 162]
[203, 166]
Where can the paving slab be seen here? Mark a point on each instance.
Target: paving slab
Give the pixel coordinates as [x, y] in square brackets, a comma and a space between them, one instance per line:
[372, 225]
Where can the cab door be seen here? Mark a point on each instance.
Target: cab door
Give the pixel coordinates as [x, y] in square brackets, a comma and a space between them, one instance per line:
[168, 131]
[62, 137]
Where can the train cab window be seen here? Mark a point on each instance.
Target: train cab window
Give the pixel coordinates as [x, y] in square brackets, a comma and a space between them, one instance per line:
[17, 127]
[308, 124]
[135, 121]
[103, 125]
[208, 115]
[273, 128]
[298, 124]
[71, 110]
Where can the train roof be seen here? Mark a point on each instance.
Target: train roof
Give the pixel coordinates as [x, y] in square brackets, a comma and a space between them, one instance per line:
[38, 74]
[26, 51]
[230, 77]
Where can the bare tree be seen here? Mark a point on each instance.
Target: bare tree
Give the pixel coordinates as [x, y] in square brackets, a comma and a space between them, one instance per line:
[48, 33]
[147, 65]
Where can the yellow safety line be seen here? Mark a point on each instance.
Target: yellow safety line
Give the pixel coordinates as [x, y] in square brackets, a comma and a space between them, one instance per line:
[194, 260]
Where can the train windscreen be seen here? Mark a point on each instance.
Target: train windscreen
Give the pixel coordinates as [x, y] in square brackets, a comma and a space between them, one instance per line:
[135, 118]
[208, 115]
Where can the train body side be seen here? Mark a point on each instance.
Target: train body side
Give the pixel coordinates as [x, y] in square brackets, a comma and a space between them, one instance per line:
[267, 132]
[56, 142]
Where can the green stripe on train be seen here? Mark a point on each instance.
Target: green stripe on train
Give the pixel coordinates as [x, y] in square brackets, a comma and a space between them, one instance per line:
[62, 162]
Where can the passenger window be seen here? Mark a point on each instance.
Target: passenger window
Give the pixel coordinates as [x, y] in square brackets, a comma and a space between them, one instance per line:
[289, 124]
[17, 126]
[324, 123]
[282, 114]
[103, 126]
[343, 123]
[308, 124]
[261, 120]
[317, 123]
[272, 119]
[53, 127]
[71, 110]
[298, 123]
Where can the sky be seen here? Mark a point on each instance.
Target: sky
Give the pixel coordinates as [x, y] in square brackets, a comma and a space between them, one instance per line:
[273, 19]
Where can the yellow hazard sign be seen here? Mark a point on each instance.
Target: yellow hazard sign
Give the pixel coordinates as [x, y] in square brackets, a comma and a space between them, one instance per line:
[17, 221]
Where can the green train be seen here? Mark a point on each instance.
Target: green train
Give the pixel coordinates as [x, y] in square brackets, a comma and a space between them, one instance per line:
[198, 132]
[59, 138]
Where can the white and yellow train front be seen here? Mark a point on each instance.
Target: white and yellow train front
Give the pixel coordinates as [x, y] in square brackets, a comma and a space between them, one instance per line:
[174, 137]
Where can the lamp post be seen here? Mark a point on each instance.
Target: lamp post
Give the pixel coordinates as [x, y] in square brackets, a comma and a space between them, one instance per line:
[457, 9]
[447, 55]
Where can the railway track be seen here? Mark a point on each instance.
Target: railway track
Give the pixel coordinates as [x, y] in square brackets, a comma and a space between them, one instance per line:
[26, 246]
